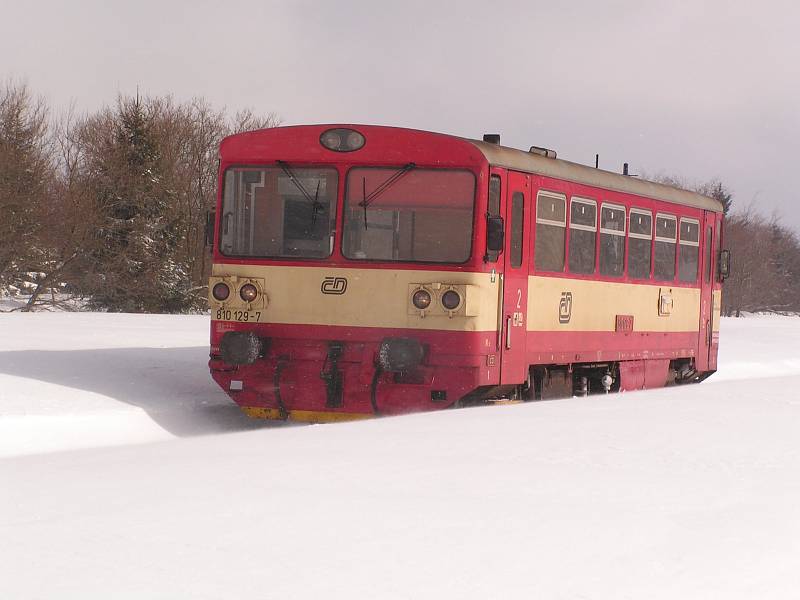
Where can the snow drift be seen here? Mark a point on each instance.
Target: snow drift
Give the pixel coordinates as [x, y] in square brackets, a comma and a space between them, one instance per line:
[687, 492]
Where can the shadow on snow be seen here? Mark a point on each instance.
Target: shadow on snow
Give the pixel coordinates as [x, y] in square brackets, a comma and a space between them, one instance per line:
[172, 385]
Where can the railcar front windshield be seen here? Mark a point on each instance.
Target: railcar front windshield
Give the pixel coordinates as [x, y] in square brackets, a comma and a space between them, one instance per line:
[408, 214]
[279, 212]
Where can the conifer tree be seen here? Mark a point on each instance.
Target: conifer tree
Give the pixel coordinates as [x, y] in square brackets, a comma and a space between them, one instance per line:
[133, 268]
[26, 173]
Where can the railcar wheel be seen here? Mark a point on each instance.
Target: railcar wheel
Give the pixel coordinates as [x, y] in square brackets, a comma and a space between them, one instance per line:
[580, 386]
[532, 388]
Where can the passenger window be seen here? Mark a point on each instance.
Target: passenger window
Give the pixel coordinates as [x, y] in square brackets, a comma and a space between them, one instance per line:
[612, 240]
[517, 226]
[551, 226]
[689, 253]
[640, 241]
[582, 235]
[666, 235]
[709, 235]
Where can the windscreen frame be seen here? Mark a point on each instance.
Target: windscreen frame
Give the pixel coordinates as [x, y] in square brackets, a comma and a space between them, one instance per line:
[272, 166]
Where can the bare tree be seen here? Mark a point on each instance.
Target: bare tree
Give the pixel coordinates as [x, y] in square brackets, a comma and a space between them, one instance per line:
[715, 189]
[765, 276]
[247, 120]
[151, 165]
[110, 206]
[68, 221]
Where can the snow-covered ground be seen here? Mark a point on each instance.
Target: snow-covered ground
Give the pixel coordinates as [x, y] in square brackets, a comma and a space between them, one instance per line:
[73, 380]
[691, 492]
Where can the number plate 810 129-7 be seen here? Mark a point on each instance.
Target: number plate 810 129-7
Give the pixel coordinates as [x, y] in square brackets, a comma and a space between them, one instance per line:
[242, 316]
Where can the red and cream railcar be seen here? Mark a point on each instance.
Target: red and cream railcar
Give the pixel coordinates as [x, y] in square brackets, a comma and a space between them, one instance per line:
[362, 270]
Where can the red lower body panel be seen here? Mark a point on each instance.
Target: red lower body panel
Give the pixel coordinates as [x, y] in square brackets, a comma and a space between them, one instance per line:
[643, 374]
[554, 347]
[292, 377]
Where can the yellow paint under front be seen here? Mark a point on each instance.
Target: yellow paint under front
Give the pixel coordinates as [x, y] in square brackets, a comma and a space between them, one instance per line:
[303, 416]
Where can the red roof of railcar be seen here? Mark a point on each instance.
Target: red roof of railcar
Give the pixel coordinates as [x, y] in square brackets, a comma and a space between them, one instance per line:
[397, 145]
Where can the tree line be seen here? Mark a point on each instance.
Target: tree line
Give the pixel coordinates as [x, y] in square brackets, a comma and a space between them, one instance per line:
[765, 270]
[110, 207]
[765, 267]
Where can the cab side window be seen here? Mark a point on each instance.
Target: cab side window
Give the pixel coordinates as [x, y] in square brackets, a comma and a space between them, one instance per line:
[517, 227]
[493, 210]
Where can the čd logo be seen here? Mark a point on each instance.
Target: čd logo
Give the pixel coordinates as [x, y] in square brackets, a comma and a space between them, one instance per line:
[334, 285]
[565, 307]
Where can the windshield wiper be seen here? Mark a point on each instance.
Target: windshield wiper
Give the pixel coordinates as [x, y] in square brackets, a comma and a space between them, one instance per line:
[367, 200]
[316, 205]
[364, 201]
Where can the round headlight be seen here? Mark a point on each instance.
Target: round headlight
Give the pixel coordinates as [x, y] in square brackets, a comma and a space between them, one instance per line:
[342, 140]
[221, 291]
[421, 299]
[248, 292]
[354, 140]
[451, 300]
[331, 139]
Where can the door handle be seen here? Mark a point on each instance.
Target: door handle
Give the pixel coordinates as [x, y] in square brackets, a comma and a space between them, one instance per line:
[500, 305]
[508, 333]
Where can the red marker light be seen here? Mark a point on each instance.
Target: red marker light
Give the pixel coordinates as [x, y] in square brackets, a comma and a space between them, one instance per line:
[221, 291]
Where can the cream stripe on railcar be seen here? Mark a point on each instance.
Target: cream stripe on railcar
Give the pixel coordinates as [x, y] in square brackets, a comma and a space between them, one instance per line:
[717, 308]
[596, 304]
[374, 297]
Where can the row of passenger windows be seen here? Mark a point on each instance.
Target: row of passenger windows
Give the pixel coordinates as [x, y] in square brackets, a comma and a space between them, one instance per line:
[643, 240]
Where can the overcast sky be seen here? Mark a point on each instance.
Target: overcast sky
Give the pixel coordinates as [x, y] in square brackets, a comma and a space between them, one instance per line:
[696, 89]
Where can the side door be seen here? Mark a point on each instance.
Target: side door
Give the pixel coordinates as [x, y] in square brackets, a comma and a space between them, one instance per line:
[716, 293]
[514, 363]
[706, 277]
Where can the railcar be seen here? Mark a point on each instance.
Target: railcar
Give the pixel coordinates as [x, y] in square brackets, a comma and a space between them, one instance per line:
[364, 270]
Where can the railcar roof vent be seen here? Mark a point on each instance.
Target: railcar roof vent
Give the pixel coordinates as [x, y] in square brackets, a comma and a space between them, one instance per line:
[492, 138]
[546, 152]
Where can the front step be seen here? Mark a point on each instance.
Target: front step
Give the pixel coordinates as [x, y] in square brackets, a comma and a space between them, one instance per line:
[496, 401]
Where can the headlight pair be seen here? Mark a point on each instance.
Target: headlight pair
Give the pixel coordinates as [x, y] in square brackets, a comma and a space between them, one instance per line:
[222, 291]
[422, 299]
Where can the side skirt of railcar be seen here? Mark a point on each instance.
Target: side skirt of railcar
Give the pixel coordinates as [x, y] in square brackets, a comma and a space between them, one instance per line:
[559, 381]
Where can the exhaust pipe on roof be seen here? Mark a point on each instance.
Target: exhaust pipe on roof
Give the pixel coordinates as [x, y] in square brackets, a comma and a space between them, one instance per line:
[492, 138]
[546, 152]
